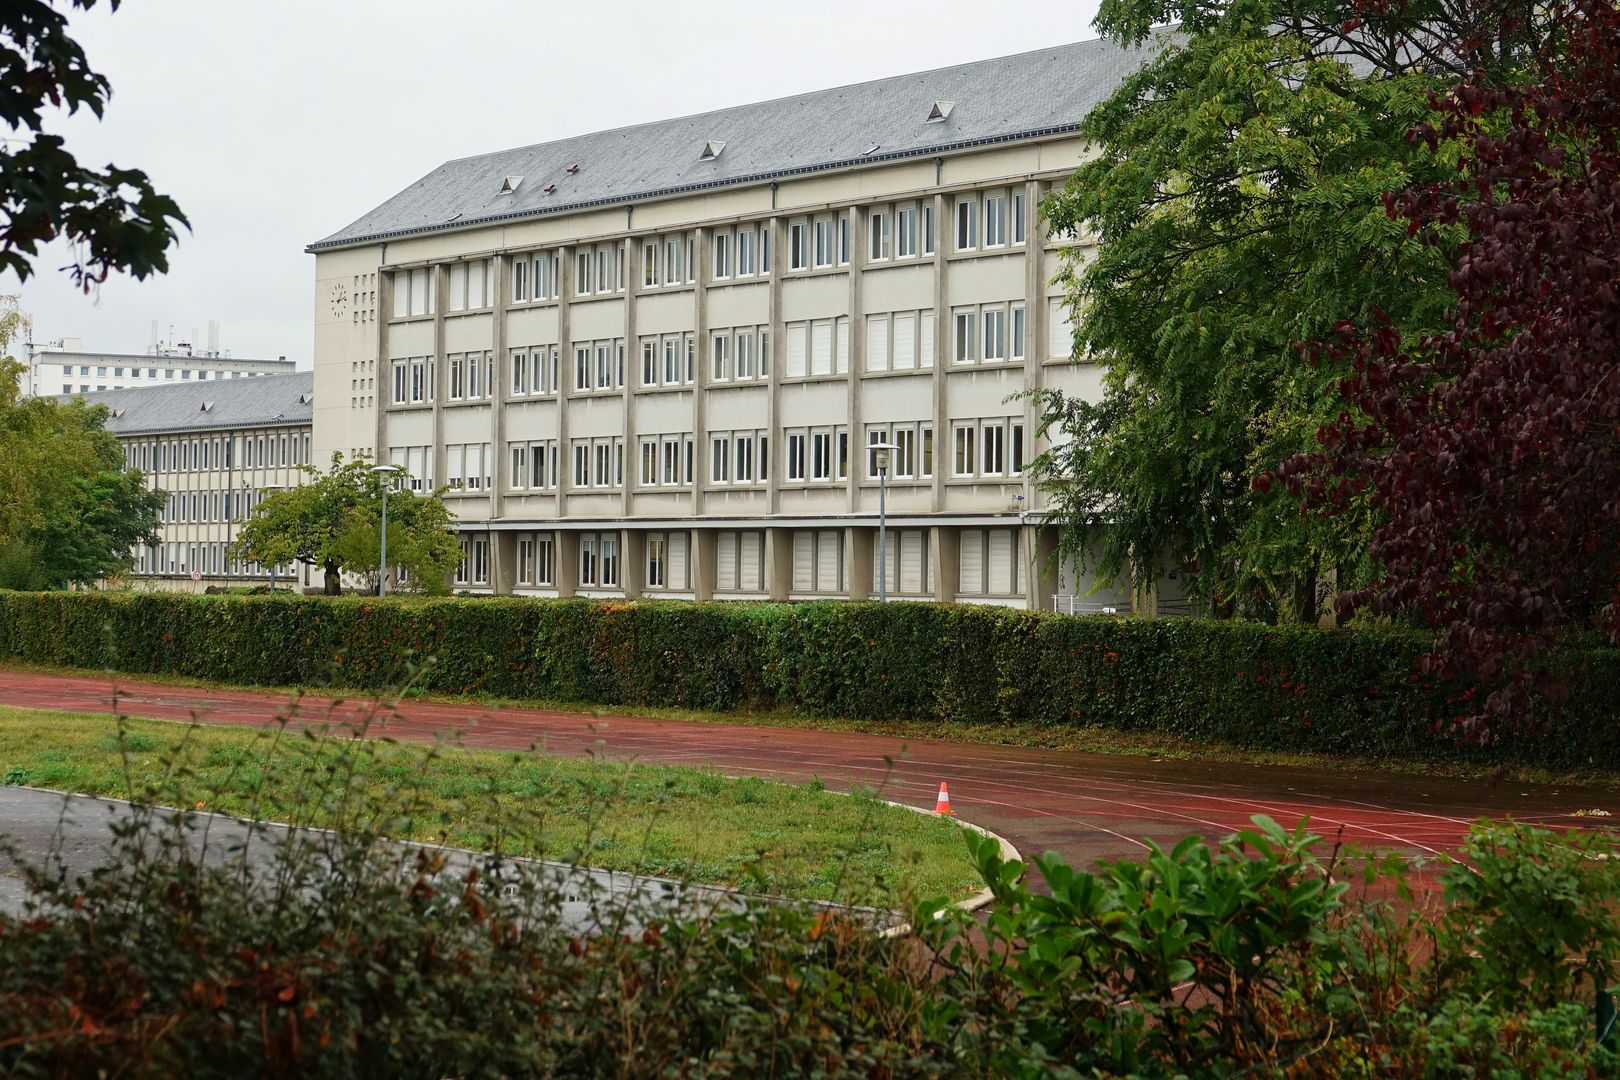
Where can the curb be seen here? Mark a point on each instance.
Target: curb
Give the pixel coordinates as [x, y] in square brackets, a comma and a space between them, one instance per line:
[984, 896]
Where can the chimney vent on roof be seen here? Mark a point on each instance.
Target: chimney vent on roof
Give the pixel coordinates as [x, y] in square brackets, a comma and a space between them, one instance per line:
[874, 148]
[207, 405]
[510, 184]
[711, 149]
[549, 188]
[940, 112]
[572, 169]
[305, 399]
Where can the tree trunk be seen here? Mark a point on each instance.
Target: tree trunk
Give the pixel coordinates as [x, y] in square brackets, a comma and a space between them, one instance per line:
[1305, 597]
[334, 579]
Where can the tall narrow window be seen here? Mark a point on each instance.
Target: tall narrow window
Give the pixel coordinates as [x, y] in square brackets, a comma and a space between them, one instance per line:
[905, 232]
[745, 251]
[719, 459]
[878, 236]
[649, 265]
[582, 273]
[995, 220]
[722, 254]
[1018, 333]
[927, 228]
[520, 280]
[995, 334]
[993, 447]
[967, 233]
[824, 242]
[965, 461]
[719, 357]
[1020, 226]
[963, 352]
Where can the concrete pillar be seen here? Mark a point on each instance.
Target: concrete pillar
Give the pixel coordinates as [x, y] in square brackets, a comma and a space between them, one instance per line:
[441, 380]
[567, 569]
[701, 562]
[503, 562]
[778, 563]
[942, 338]
[632, 562]
[944, 561]
[773, 390]
[705, 358]
[565, 390]
[862, 547]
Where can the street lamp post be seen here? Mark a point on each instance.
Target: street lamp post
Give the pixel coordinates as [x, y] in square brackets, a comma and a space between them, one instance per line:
[880, 459]
[271, 489]
[386, 472]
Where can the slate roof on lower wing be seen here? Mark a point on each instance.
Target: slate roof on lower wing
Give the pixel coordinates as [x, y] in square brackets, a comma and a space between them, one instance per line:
[1047, 91]
[259, 401]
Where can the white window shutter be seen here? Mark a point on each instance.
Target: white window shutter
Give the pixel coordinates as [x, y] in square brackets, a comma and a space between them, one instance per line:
[911, 561]
[1062, 330]
[841, 361]
[804, 567]
[750, 579]
[821, 344]
[877, 343]
[725, 561]
[972, 562]
[1001, 562]
[925, 343]
[797, 350]
[827, 560]
[905, 340]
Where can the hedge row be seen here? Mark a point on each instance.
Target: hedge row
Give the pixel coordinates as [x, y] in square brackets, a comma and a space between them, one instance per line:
[1256, 686]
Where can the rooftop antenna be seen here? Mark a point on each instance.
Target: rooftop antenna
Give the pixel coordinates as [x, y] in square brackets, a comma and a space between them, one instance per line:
[213, 338]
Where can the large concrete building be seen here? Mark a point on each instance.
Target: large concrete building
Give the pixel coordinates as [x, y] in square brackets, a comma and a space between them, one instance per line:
[646, 361]
[216, 448]
[64, 367]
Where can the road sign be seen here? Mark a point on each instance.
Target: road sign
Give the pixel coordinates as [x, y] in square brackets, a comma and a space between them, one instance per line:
[196, 575]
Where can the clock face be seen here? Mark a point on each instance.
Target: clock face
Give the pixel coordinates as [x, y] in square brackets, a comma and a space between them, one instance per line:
[340, 300]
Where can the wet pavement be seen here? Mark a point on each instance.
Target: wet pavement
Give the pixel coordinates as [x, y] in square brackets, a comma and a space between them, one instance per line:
[1083, 806]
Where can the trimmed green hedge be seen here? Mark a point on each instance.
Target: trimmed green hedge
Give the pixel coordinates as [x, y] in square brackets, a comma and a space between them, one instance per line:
[1258, 686]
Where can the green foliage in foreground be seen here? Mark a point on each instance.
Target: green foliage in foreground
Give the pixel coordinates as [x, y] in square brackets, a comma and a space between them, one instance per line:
[1252, 957]
[686, 823]
[1244, 684]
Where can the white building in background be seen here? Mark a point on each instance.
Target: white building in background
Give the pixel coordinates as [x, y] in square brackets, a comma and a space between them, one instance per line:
[215, 447]
[64, 367]
[646, 361]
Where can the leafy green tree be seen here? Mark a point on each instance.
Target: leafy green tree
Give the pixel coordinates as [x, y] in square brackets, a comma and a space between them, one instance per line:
[114, 217]
[1237, 200]
[70, 512]
[334, 522]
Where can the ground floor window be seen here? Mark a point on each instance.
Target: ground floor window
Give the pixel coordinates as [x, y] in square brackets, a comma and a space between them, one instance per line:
[599, 560]
[667, 560]
[990, 565]
[818, 561]
[739, 559]
[536, 559]
[473, 569]
[905, 562]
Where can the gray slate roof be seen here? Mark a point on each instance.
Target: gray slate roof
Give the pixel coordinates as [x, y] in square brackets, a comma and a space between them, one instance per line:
[1035, 93]
[262, 401]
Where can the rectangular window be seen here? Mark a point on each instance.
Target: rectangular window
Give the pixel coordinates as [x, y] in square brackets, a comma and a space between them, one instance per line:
[649, 462]
[821, 455]
[995, 334]
[745, 251]
[719, 460]
[963, 352]
[821, 347]
[582, 367]
[520, 280]
[1061, 342]
[719, 357]
[843, 238]
[995, 220]
[746, 364]
[587, 560]
[1018, 332]
[604, 366]
[795, 457]
[722, 254]
[824, 237]
[925, 339]
[798, 249]
[582, 273]
[657, 561]
[1020, 226]
[518, 474]
[878, 236]
[905, 232]
[674, 255]
[582, 463]
[877, 343]
[927, 228]
[545, 560]
[967, 232]
[610, 559]
[743, 466]
[1016, 437]
[672, 361]
[993, 448]
[925, 462]
[964, 461]
[649, 362]
[649, 265]
[798, 355]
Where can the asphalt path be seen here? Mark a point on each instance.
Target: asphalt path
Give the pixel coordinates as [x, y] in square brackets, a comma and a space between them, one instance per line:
[1083, 806]
[73, 835]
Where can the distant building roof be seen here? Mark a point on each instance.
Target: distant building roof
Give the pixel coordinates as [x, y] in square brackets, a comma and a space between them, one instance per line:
[1048, 91]
[173, 360]
[266, 401]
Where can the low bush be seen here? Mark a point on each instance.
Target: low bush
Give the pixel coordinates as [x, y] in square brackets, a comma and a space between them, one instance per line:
[1263, 687]
[348, 956]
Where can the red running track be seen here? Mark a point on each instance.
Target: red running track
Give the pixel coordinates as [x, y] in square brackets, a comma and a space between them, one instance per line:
[1083, 806]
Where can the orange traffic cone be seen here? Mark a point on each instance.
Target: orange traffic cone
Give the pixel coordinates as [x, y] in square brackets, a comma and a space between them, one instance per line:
[942, 805]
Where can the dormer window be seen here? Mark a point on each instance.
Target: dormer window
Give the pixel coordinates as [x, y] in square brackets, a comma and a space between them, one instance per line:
[510, 184]
[940, 112]
[711, 149]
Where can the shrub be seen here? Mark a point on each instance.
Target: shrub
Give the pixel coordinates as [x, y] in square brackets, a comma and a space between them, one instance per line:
[1264, 687]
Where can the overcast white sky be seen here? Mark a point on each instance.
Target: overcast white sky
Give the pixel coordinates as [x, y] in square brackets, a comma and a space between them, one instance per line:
[274, 124]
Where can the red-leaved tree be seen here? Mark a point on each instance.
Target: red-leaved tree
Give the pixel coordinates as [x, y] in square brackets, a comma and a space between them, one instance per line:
[1493, 450]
